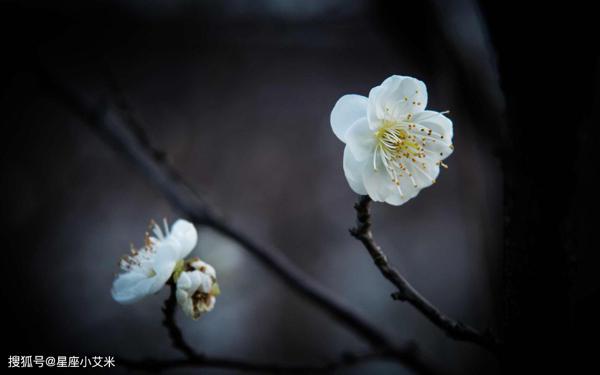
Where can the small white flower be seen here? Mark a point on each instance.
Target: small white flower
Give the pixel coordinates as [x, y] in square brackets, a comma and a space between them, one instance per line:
[147, 270]
[394, 147]
[197, 288]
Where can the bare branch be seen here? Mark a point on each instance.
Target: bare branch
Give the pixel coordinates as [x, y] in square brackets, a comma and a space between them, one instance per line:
[169, 322]
[407, 293]
[125, 138]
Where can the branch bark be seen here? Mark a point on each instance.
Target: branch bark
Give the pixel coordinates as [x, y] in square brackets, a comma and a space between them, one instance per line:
[128, 139]
[407, 293]
[170, 324]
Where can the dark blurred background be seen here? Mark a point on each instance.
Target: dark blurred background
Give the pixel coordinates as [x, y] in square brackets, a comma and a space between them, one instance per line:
[238, 94]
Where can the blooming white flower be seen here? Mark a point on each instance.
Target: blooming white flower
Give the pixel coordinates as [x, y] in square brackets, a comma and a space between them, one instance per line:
[147, 270]
[197, 288]
[394, 147]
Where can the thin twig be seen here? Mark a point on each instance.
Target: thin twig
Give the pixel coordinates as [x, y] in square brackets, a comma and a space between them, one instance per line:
[169, 322]
[125, 138]
[406, 292]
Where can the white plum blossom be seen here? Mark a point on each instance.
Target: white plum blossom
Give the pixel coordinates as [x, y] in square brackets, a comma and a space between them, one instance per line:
[394, 147]
[197, 288]
[147, 270]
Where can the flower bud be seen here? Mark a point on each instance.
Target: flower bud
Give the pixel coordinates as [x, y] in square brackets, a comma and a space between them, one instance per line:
[197, 288]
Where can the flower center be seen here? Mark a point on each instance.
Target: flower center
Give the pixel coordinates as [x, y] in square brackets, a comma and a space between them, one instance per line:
[397, 147]
[395, 142]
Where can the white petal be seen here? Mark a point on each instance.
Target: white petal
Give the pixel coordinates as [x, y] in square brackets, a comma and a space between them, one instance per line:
[184, 232]
[210, 271]
[395, 98]
[353, 172]
[396, 199]
[181, 296]
[197, 278]
[378, 183]
[185, 302]
[164, 261]
[390, 94]
[205, 268]
[361, 140]
[437, 122]
[392, 82]
[425, 174]
[382, 188]
[346, 111]
[406, 191]
[161, 278]
[184, 282]
[205, 283]
[437, 151]
[375, 112]
[410, 97]
[131, 287]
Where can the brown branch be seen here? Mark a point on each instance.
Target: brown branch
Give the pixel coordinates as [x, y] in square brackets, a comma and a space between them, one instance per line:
[407, 293]
[169, 322]
[126, 138]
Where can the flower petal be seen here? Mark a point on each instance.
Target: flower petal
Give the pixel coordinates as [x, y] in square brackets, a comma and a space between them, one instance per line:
[425, 172]
[395, 99]
[381, 187]
[184, 232]
[353, 172]
[197, 279]
[346, 111]
[205, 283]
[405, 192]
[375, 112]
[167, 254]
[437, 151]
[437, 122]
[130, 287]
[184, 282]
[361, 140]
[377, 182]
[410, 97]
[188, 284]
[205, 268]
[185, 302]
